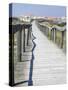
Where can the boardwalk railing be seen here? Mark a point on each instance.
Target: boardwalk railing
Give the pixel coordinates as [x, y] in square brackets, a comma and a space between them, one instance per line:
[55, 33]
[19, 39]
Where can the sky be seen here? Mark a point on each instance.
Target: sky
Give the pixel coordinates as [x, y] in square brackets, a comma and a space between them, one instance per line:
[20, 9]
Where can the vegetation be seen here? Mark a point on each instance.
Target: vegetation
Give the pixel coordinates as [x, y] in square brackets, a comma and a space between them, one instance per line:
[61, 24]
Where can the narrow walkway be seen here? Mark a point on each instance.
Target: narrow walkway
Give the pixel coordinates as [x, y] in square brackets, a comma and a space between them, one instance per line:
[49, 65]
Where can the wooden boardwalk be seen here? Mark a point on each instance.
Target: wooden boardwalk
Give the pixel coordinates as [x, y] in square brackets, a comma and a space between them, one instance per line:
[49, 63]
[49, 66]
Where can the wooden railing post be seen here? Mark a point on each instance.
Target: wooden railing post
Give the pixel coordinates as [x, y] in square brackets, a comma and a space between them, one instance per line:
[24, 41]
[20, 45]
[28, 36]
[62, 39]
[54, 34]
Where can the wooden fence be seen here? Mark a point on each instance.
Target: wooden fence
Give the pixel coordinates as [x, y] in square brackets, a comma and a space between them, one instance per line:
[55, 33]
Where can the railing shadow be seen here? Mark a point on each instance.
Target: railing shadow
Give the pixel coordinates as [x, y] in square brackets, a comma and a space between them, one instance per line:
[30, 82]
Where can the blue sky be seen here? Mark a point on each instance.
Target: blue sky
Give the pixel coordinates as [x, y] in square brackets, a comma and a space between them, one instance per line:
[19, 9]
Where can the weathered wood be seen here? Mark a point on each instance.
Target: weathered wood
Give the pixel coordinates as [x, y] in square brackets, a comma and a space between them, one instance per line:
[24, 41]
[62, 39]
[49, 63]
[20, 45]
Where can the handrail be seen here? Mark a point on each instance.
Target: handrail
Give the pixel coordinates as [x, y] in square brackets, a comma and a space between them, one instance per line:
[54, 26]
